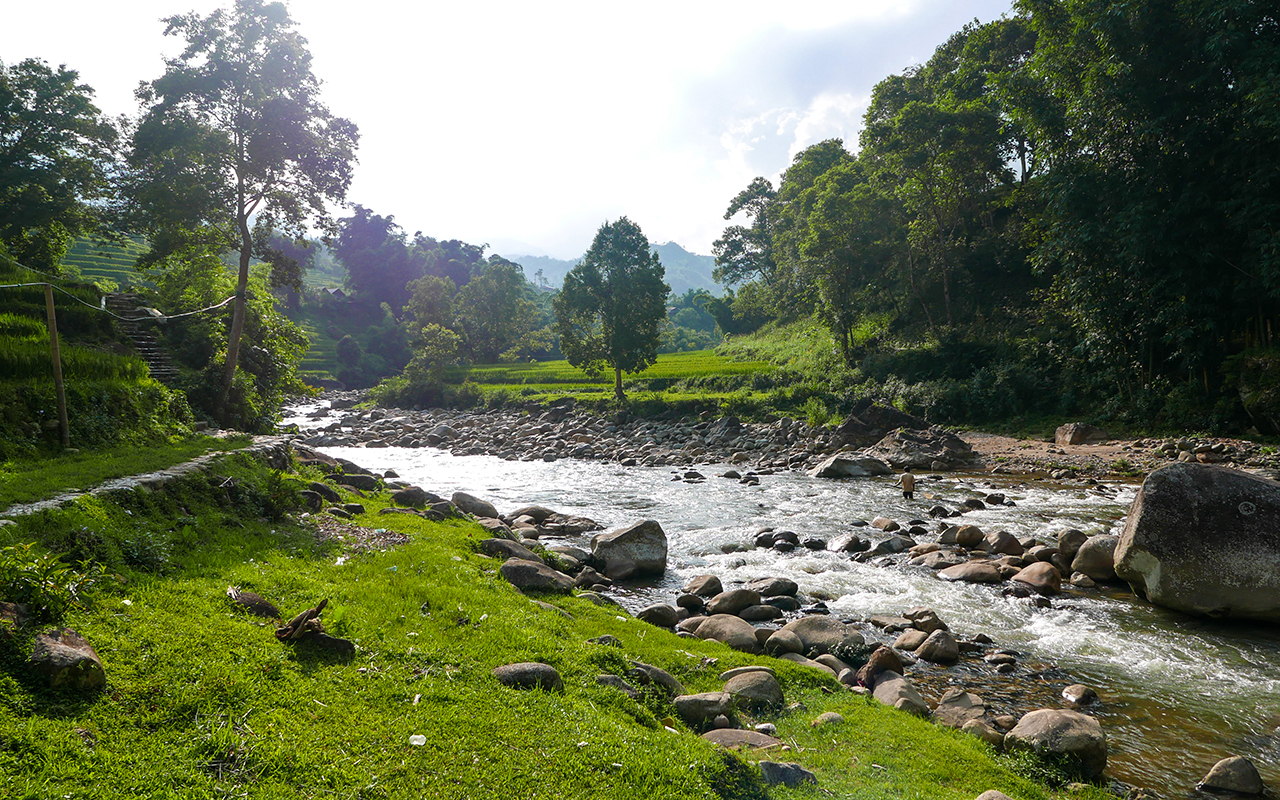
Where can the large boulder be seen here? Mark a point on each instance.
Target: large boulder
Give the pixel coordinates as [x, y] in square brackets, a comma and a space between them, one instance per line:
[474, 505]
[972, 572]
[65, 660]
[534, 576]
[929, 449]
[529, 675]
[940, 647]
[1234, 774]
[1079, 433]
[1097, 557]
[755, 690]
[822, 634]
[897, 692]
[733, 601]
[733, 631]
[1041, 576]
[848, 465]
[1057, 731]
[698, 710]
[633, 551]
[1205, 540]
[958, 707]
[883, 660]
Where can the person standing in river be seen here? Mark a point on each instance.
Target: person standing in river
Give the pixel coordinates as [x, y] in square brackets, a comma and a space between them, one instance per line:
[908, 482]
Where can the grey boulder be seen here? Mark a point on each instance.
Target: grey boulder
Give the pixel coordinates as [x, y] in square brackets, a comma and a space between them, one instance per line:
[633, 551]
[1234, 774]
[1097, 556]
[1065, 733]
[535, 576]
[851, 466]
[474, 505]
[529, 675]
[1205, 540]
[66, 661]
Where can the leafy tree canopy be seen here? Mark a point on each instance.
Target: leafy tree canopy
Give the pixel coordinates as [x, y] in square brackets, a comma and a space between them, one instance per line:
[56, 150]
[612, 308]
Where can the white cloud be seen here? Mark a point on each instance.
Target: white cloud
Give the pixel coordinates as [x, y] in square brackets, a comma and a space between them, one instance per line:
[523, 124]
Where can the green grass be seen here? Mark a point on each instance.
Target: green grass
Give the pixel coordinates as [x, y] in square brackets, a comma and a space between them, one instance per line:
[671, 366]
[202, 701]
[29, 481]
[107, 264]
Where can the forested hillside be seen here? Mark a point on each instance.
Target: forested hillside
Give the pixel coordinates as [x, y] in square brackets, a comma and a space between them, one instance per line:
[685, 270]
[1068, 211]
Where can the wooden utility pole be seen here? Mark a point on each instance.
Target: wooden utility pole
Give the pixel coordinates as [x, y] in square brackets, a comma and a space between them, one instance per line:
[57, 366]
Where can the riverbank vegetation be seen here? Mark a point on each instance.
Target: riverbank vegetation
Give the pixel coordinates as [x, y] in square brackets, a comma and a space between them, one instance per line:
[222, 707]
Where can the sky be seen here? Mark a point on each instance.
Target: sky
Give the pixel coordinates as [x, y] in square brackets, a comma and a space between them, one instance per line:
[526, 126]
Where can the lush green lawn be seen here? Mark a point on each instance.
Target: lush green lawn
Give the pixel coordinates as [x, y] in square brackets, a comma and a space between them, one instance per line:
[202, 701]
[28, 481]
[670, 366]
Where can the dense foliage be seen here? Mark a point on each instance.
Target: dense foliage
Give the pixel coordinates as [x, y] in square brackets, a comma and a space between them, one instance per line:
[613, 304]
[1077, 200]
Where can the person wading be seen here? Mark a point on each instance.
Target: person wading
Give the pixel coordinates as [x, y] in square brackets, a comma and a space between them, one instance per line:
[908, 482]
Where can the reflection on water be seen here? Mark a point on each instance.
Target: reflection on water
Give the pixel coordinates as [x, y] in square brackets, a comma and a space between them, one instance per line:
[1178, 693]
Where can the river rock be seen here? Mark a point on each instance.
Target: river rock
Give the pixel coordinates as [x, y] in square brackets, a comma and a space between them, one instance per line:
[1041, 576]
[732, 738]
[414, 497]
[365, 483]
[782, 641]
[761, 613]
[1205, 540]
[534, 576]
[1079, 433]
[897, 692]
[796, 658]
[1077, 694]
[325, 491]
[634, 551]
[968, 536]
[822, 634]
[883, 660]
[925, 619]
[988, 734]
[922, 449]
[848, 543]
[755, 690]
[850, 466]
[786, 774]
[956, 707]
[1233, 774]
[737, 633]
[1097, 556]
[704, 586]
[474, 505]
[910, 639]
[647, 674]
[1062, 732]
[773, 587]
[972, 572]
[733, 601]
[993, 794]
[529, 675]
[940, 648]
[697, 710]
[65, 660]
[1069, 542]
[505, 549]
[659, 614]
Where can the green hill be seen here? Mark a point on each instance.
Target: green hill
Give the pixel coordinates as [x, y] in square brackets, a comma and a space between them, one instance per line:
[685, 270]
[106, 264]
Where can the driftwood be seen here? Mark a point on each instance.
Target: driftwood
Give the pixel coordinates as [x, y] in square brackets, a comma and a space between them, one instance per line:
[306, 622]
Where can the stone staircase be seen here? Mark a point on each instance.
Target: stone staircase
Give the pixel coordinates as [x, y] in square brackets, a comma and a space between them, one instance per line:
[143, 336]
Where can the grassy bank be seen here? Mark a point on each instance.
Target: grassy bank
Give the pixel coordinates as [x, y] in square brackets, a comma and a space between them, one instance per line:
[26, 481]
[202, 701]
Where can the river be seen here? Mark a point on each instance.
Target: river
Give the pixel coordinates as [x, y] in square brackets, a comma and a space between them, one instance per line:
[1177, 693]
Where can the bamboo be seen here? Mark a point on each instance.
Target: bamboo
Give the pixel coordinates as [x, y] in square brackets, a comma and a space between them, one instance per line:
[57, 366]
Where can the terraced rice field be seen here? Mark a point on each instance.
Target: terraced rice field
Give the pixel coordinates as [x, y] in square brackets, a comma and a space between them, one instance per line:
[104, 262]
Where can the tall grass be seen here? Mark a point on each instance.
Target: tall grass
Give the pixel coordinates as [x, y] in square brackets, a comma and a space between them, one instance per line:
[27, 360]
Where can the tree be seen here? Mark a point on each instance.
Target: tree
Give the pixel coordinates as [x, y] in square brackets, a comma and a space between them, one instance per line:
[495, 315]
[56, 150]
[613, 305]
[235, 130]
[379, 262]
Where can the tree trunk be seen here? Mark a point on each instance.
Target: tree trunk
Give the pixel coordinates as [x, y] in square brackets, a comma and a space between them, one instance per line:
[617, 384]
[237, 318]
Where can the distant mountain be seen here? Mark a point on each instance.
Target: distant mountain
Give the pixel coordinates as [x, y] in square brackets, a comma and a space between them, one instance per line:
[685, 270]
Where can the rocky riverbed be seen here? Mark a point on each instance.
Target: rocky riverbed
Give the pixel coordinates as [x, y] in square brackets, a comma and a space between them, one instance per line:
[1169, 729]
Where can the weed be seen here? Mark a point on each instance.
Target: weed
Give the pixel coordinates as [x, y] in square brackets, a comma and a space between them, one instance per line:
[44, 581]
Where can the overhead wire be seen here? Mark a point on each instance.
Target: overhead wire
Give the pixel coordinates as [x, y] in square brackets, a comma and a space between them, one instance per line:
[156, 314]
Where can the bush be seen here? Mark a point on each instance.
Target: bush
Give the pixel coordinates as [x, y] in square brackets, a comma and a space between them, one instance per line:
[44, 581]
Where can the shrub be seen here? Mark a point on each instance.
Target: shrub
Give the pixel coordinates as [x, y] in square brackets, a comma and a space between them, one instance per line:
[44, 581]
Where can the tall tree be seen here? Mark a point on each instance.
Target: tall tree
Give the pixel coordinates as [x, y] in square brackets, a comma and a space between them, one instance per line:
[495, 314]
[613, 305]
[55, 152]
[235, 130]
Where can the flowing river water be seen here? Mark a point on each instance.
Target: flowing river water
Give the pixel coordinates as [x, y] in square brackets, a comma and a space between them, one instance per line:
[1177, 693]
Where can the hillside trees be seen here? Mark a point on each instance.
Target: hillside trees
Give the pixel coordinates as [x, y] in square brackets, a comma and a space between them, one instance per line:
[1159, 210]
[496, 316]
[235, 131]
[56, 150]
[612, 308]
